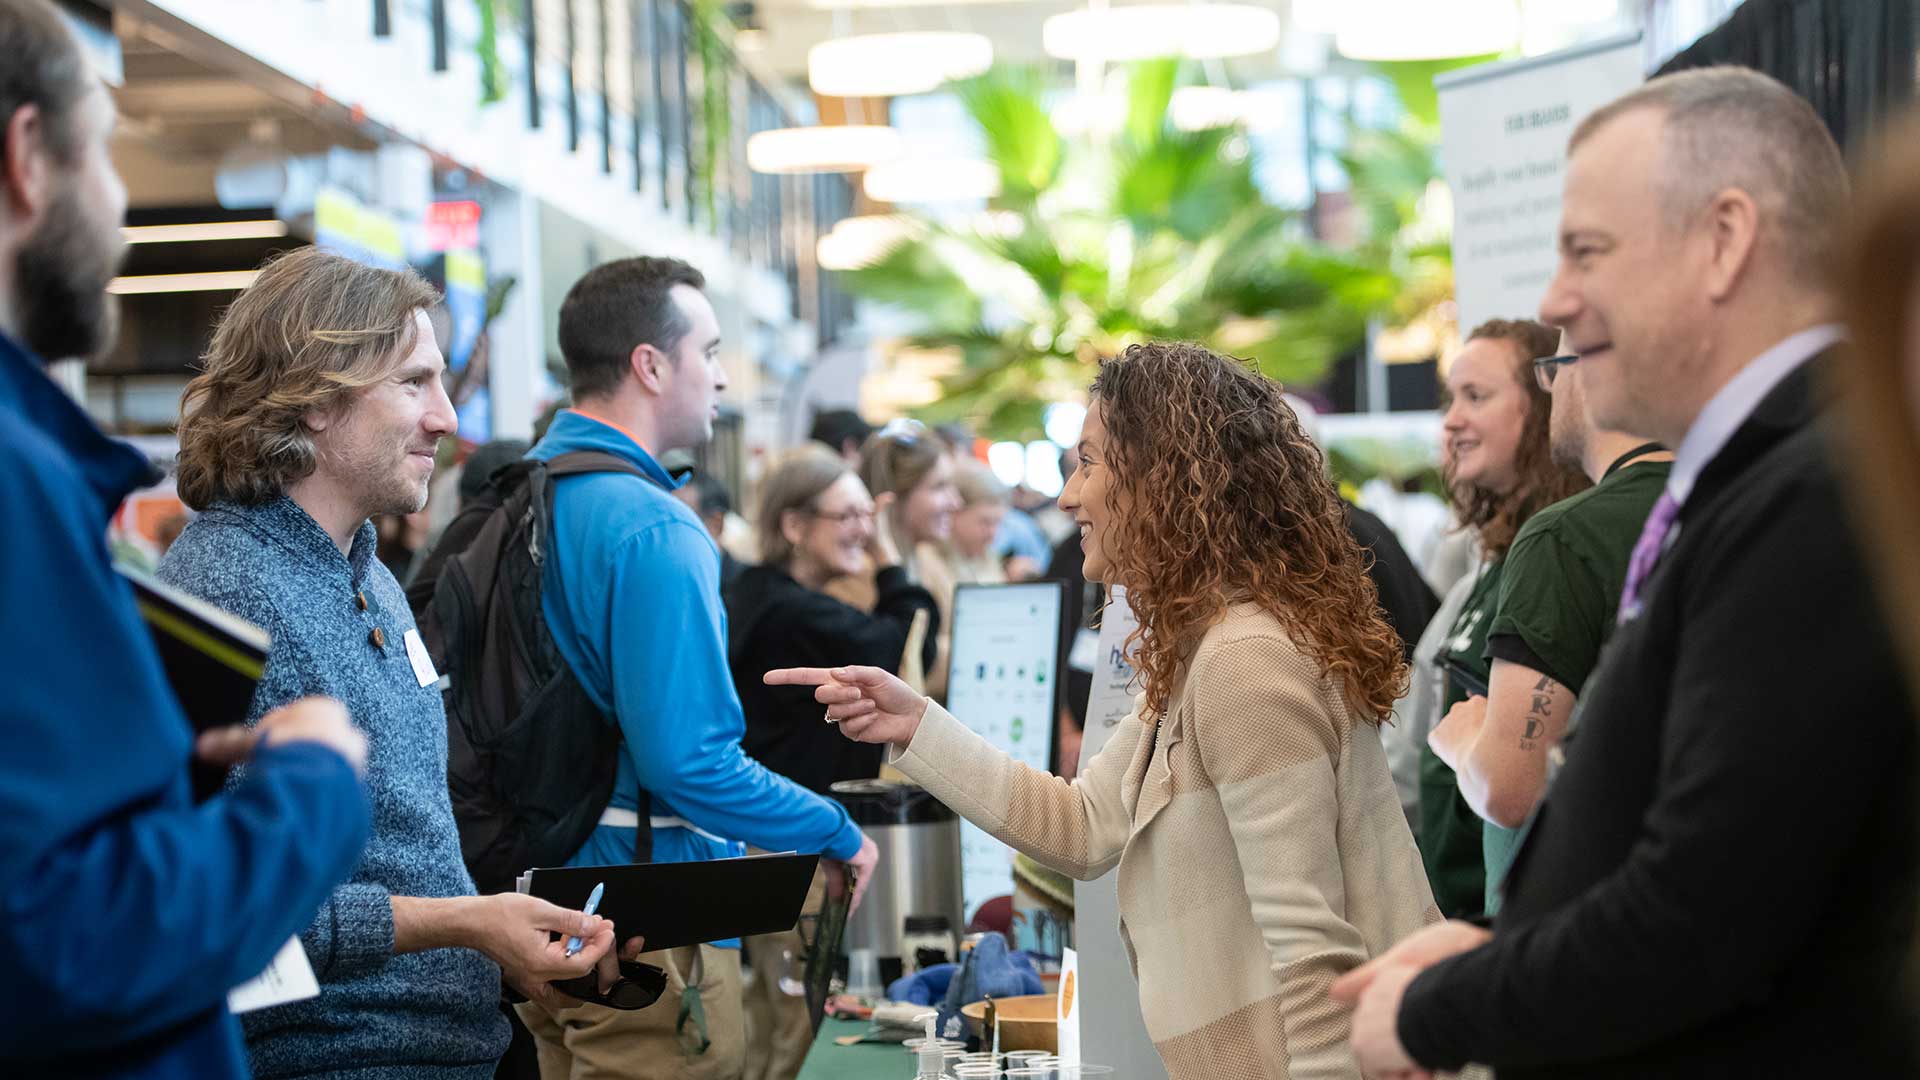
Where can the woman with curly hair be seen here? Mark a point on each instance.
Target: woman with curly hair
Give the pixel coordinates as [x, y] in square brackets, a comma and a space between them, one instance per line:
[1261, 847]
[1500, 469]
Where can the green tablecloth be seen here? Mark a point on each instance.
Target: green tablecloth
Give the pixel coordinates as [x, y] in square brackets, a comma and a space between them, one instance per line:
[862, 1061]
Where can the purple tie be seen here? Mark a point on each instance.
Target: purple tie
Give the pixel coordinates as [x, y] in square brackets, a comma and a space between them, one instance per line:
[1646, 552]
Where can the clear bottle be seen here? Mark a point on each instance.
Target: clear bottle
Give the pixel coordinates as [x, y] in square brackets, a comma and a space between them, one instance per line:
[931, 1057]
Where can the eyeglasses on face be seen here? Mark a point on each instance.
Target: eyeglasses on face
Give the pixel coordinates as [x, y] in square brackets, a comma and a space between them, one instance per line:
[1547, 368]
[845, 517]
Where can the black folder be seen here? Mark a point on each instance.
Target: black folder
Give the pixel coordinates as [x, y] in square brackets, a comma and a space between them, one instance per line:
[674, 905]
[213, 661]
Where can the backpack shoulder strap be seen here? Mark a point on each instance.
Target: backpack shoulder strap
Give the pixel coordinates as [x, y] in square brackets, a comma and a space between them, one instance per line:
[576, 462]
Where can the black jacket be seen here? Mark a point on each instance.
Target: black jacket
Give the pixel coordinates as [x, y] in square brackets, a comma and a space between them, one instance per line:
[775, 622]
[1405, 596]
[1720, 881]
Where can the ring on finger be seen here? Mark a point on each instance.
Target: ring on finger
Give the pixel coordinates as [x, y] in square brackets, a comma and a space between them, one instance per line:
[830, 718]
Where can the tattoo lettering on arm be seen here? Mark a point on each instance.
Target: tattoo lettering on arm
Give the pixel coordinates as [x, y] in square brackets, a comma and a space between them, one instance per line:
[1538, 713]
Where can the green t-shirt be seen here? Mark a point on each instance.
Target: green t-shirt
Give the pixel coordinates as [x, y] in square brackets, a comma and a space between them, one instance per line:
[1559, 592]
[1450, 833]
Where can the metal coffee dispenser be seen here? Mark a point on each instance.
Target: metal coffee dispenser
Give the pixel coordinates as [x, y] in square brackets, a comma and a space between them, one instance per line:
[919, 872]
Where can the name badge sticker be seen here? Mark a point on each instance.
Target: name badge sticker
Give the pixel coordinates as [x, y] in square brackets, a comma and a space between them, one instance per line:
[422, 663]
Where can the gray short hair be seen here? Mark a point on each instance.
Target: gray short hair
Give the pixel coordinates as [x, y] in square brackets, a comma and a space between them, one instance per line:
[1734, 127]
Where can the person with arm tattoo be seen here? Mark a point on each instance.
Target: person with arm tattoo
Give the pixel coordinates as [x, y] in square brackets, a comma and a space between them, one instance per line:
[1558, 597]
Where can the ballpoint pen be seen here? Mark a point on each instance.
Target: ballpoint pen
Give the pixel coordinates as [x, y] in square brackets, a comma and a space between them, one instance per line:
[593, 901]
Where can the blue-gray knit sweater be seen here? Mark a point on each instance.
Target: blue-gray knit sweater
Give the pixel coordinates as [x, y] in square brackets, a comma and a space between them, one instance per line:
[379, 1016]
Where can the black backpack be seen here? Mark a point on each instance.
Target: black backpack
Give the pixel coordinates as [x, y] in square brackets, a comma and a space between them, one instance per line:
[530, 757]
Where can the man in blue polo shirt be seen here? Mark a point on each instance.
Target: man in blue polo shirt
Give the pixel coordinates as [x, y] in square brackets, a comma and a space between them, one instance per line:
[632, 597]
[126, 912]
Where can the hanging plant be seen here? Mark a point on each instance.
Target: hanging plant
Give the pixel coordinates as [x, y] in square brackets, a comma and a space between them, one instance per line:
[710, 30]
[493, 75]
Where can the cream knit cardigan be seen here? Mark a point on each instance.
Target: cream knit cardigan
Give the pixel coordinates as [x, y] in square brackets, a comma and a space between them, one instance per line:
[1261, 847]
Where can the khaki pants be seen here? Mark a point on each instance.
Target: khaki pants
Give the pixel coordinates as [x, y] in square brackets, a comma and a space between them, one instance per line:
[592, 1042]
[779, 1029]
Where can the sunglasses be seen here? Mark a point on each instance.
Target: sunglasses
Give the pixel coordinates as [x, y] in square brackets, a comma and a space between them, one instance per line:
[1547, 368]
[903, 430]
[638, 986]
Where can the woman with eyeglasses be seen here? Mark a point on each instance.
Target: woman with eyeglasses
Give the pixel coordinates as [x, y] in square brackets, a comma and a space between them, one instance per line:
[816, 523]
[1260, 844]
[1500, 469]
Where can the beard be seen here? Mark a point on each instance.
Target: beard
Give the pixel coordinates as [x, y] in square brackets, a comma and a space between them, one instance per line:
[384, 486]
[1568, 449]
[61, 275]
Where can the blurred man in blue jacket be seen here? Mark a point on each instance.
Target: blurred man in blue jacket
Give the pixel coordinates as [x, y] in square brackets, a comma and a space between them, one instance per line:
[128, 911]
[632, 596]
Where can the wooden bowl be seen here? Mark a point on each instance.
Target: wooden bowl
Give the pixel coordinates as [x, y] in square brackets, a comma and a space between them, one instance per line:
[1026, 1023]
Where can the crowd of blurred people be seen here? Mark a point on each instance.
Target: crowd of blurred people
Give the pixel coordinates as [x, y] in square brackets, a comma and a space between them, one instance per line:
[1632, 798]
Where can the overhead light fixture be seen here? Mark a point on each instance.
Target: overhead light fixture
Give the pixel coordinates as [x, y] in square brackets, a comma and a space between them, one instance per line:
[1423, 30]
[932, 180]
[889, 65]
[823, 149]
[204, 230]
[215, 281]
[857, 242]
[1145, 31]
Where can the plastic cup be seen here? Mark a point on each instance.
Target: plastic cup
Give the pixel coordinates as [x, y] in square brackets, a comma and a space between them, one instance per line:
[976, 1070]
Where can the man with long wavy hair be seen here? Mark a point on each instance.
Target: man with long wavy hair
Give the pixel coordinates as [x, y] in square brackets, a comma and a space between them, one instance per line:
[319, 405]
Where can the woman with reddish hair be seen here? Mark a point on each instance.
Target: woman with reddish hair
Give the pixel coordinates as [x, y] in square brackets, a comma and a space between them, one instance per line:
[1247, 803]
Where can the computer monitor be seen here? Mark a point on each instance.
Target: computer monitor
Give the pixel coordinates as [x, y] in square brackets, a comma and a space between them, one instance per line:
[1003, 682]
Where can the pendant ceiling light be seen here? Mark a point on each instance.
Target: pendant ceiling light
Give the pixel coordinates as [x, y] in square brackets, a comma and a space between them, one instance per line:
[1424, 30]
[889, 65]
[862, 241]
[856, 242]
[824, 149]
[932, 180]
[1145, 31]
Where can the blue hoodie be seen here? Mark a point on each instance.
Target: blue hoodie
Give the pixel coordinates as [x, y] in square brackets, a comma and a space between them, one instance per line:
[126, 912]
[632, 597]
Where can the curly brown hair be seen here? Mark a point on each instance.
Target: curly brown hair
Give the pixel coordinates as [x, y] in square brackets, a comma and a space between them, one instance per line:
[1229, 500]
[313, 329]
[1494, 516]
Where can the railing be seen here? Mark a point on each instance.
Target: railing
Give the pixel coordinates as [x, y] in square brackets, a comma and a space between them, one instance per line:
[656, 88]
